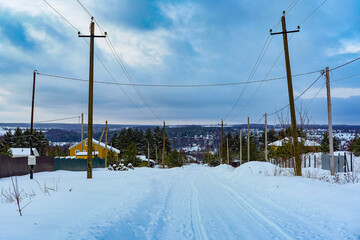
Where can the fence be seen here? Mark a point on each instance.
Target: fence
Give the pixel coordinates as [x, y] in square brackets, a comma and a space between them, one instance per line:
[73, 164]
[19, 166]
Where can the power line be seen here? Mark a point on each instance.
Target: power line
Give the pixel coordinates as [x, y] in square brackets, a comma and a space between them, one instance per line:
[343, 65]
[96, 57]
[308, 16]
[305, 19]
[340, 79]
[298, 96]
[122, 65]
[61, 16]
[175, 85]
[59, 119]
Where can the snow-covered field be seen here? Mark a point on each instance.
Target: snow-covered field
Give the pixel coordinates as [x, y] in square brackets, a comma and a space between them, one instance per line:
[194, 202]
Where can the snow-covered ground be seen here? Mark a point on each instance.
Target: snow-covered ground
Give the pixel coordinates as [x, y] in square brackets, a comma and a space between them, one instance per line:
[194, 202]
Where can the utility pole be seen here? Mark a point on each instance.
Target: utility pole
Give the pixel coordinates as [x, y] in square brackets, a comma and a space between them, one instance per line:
[148, 154]
[222, 144]
[82, 132]
[291, 94]
[163, 154]
[106, 150]
[240, 147]
[156, 153]
[91, 87]
[32, 125]
[208, 152]
[248, 141]
[227, 148]
[331, 141]
[266, 152]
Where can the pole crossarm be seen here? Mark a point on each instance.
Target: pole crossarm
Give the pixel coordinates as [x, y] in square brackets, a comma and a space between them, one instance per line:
[271, 33]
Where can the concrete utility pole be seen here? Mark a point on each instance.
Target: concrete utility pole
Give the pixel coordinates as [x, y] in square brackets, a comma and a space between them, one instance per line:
[106, 150]
[248, 141]
[163, 154]
[227, 150]
[291, 95]
[266, 152]
[331, 141]
[91, 87]
[240, 147]
[32, 125]
[82, 132]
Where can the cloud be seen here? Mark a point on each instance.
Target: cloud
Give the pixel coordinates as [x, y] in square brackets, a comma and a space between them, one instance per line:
[341, 93]
[346, 47]
[138, 48]
[3, 96]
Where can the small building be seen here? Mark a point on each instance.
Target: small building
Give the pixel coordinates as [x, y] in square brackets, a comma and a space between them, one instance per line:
[143, 158]
[23, 152]
[98, 149]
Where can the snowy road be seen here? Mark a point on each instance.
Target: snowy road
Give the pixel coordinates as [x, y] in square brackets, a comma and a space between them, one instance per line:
[194, 202]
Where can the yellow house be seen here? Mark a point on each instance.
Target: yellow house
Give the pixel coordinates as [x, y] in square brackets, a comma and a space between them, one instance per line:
[98, 149]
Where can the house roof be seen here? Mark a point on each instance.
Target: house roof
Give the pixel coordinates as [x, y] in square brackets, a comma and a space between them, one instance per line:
[23, 152]
[307, 143]
[144, 158]
[100, 144]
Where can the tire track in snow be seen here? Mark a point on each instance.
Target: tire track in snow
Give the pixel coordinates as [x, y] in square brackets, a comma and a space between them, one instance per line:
[297, 225]
[198, 227]
[251, 210]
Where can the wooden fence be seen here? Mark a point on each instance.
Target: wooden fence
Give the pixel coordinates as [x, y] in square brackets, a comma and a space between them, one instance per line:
[19, 166]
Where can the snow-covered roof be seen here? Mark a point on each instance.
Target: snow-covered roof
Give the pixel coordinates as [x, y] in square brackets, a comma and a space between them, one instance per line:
[100, 144]
[23, 152]
[307, 143]
[144, 158]
[85, 153]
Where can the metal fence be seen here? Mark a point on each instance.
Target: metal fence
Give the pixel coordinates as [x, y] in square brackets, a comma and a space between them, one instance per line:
[338, 160]
[73, 164]
[19, 166]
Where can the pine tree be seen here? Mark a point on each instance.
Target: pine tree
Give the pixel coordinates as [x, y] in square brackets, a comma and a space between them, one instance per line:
[324, 145]
[8, 138]
[129, 155]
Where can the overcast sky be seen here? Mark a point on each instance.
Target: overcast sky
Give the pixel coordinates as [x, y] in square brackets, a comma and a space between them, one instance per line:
[177, 42]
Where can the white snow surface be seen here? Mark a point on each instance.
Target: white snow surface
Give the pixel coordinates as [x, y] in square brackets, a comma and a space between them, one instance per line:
[193, 202]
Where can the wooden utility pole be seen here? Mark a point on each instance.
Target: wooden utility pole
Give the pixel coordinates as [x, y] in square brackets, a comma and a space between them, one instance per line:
[156, 154]
[106, 150]
[248, 141]
[148, 154]
[266, 146]
[331, 141]
[163, 154]
[82, 132]
[291, 95]
[91, 87]
[32, 124]
[227, 151]
[208, 148]
[222, 144]
[240, 147]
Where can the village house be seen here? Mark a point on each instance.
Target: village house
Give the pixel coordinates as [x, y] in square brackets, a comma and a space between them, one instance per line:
[98, 149]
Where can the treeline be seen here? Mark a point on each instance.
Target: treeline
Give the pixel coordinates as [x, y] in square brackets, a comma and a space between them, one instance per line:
[21, 139]
[132, 142]
[257, 146]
